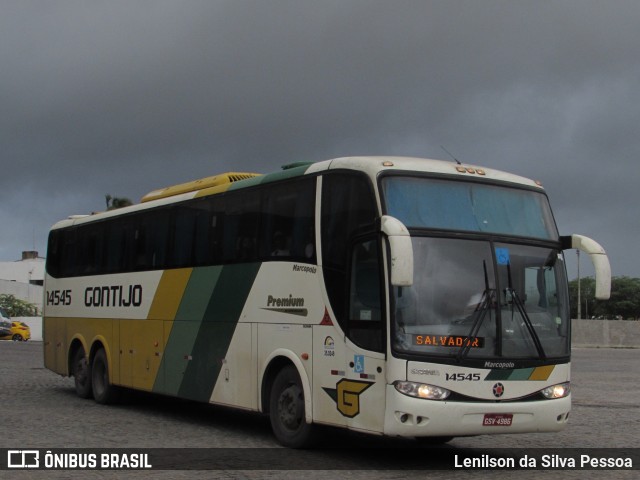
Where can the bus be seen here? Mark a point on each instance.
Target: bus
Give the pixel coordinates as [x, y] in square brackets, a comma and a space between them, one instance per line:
[388, 295]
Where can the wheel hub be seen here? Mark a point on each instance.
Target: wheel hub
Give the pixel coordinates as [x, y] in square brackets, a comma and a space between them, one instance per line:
[290, 407]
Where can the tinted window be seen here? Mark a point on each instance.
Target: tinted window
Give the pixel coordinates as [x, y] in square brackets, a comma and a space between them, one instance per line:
[366, 313]
[240, 238]
[270, 222]
[91, 249]
[151, 235]
[288, 221]
[348, 209]
[348, 206]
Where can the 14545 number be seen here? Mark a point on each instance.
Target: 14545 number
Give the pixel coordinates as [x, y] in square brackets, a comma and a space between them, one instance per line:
[59, 297]
[461, 377]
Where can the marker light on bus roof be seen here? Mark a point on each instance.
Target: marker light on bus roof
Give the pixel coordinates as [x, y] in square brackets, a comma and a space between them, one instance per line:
[421, 390]
[472, 170]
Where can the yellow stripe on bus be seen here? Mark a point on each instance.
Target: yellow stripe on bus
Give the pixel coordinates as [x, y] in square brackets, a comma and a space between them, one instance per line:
[169, 294]
[542, 373]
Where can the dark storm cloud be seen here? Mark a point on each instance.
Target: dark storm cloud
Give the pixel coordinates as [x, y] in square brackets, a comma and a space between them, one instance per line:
[123, 97]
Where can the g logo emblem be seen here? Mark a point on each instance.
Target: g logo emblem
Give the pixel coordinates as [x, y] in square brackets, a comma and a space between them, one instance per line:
[498, 390]
[347, 396]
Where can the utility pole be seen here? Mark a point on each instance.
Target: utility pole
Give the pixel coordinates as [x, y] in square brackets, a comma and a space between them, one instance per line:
[579, 299]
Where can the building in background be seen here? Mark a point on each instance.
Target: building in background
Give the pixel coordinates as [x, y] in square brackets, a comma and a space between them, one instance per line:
[24, 278]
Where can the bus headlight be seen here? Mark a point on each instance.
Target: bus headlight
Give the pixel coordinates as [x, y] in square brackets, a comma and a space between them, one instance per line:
[421, 390]
[557, 391]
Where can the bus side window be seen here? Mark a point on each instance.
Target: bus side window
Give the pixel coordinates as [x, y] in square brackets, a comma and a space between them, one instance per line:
[183, 236]
[53, 252]
[68, 253]
[287, 231]
[206, 242]
[348, 208]
[366, 324]
[90, 249]
[151, 237]
[241, 227]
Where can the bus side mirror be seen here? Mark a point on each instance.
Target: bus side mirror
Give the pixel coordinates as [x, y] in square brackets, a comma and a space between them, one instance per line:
[598, 258]
[401, 251]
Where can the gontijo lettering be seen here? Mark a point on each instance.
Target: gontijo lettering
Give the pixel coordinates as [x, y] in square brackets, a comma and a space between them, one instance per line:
[113, 296]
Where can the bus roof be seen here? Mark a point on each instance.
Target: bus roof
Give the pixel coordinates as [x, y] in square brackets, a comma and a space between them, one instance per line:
[371, 165]
[375, 165]
[196, 185]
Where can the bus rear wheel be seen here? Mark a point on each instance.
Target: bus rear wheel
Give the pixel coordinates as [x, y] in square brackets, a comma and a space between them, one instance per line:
[287, 410]
[103, 391]
[81, 374]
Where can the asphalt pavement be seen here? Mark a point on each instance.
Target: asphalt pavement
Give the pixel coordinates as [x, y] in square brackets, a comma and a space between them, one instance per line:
[41, 411]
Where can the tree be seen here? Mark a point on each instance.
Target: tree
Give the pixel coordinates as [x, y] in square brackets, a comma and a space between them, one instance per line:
[117, 202]
[625, 298]
[624, 301]
[16, 307]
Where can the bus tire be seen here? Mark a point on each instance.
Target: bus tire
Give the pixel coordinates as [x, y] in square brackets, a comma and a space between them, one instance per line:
[103, 391]
[287, 410]
[81, 374]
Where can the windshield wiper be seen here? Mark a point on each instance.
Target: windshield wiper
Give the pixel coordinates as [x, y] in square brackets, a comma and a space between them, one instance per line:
[488, 299]
[515, 299]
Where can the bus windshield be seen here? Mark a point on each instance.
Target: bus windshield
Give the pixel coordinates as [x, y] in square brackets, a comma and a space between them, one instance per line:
[482, 300]
[421, 202]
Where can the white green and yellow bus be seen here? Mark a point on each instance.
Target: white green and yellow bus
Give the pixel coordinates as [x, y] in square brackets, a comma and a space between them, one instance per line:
[396, 296]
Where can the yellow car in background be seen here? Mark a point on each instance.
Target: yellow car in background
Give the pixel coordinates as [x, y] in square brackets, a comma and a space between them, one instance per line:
[19, 332]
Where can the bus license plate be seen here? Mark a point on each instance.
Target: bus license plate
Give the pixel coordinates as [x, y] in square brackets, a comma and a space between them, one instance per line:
[497, 419]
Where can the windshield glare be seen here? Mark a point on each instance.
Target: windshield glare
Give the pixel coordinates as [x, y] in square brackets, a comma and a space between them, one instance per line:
[476, 299]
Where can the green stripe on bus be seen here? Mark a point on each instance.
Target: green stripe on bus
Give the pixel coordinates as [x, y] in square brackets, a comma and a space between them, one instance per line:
[184, 331]
[270, 177]
[521, 374]
[499, 375]
[539, 373]
[198, 293]
[216, 330]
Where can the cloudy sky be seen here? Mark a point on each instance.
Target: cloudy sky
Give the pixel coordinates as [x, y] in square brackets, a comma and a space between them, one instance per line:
[123, 97]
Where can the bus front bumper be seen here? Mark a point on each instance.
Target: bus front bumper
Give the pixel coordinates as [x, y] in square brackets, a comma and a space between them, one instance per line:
[413, 417]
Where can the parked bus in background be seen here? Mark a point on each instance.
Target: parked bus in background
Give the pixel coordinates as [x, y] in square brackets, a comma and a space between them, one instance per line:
[395, 296]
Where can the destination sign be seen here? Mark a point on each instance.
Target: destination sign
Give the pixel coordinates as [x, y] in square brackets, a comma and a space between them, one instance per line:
[448, 341]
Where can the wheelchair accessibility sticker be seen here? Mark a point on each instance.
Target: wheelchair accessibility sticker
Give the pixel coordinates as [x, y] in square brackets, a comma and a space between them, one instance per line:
[502, 256]
[358, 363]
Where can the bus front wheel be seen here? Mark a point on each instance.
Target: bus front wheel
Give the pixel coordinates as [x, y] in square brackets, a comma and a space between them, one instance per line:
[287, 410]
[103, 391]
